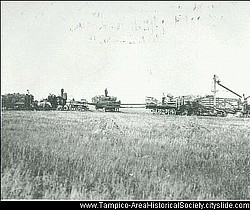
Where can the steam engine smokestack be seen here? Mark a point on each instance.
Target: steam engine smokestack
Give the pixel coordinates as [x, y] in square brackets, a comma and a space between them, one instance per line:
[62, 90]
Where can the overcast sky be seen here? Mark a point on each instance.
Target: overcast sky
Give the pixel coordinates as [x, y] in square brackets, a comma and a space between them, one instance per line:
[135, 49]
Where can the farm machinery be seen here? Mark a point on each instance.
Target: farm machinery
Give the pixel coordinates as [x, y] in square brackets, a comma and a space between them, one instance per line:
[205, 106]
[106, 103]
[111, 104]
[209, 105]
[183, 105]
[53, 102]
[73, 105]
[17, 101]
[62, 104]
[230, 105]
[200, 106]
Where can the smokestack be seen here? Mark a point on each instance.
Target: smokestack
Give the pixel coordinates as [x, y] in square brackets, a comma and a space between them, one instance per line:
[62, 90]
[65, 96]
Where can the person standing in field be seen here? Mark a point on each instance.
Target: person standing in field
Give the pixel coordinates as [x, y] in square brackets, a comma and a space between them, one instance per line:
[106, 92]
[244, 108]
[163, 99]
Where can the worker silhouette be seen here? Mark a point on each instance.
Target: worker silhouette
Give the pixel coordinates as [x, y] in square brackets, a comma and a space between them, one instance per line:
[163, 99]
[106, 92]
[244, 104]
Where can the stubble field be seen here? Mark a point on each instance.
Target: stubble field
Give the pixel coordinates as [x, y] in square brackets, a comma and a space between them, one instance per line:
[137, 155]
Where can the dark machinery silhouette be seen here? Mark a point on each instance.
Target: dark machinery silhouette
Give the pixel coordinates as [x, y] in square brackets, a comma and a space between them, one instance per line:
[242, 104]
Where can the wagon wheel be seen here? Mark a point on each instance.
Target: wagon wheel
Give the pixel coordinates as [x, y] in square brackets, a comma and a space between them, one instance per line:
[172, 111]
[199, 112]
[185, 112]
[224, 114]
[163, 111]
[247, 114]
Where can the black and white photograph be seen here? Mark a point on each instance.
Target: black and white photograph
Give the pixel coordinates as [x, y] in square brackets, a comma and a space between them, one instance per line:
[125, 101]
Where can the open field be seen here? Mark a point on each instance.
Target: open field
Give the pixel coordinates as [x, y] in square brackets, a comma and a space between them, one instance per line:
[137, 155]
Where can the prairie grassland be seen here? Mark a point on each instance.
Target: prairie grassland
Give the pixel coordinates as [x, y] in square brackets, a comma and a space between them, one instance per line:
[97, 155]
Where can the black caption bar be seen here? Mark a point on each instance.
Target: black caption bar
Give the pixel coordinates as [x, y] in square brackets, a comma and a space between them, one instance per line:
[126, 204]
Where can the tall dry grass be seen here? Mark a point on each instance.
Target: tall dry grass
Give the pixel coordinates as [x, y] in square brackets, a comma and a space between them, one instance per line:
[92, 155]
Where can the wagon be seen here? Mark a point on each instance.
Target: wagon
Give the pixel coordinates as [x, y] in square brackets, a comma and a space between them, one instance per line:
[112, 106]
